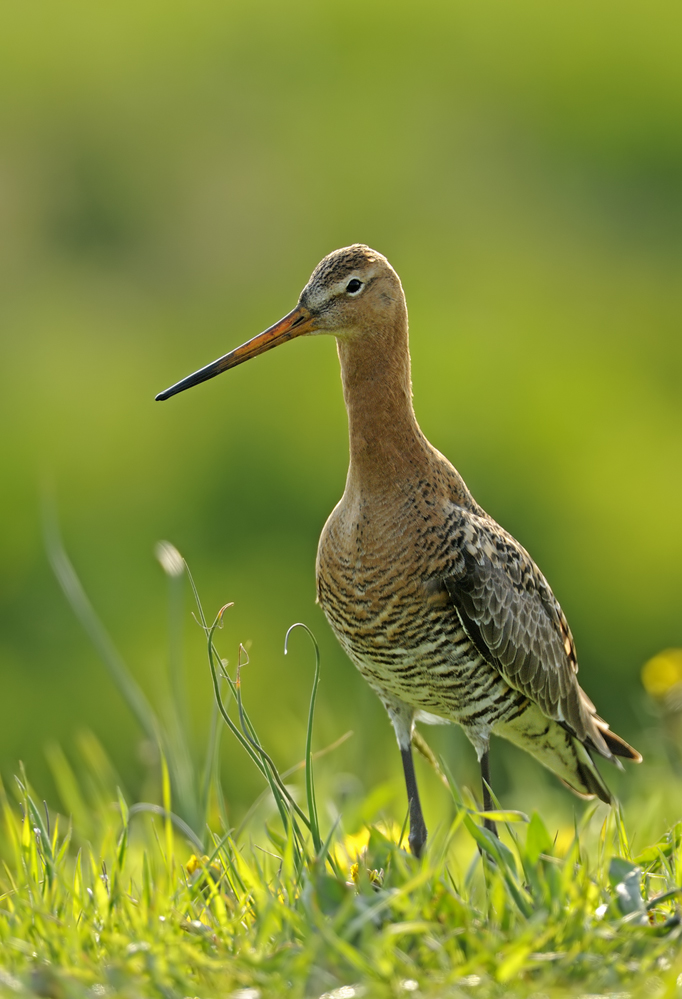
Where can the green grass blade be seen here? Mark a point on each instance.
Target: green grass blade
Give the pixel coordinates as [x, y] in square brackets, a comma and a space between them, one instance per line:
[168, 816]
[288, 808]
[309, 782]
[82, 608]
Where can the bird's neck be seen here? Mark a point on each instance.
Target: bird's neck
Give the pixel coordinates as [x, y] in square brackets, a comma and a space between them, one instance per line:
[387, 447]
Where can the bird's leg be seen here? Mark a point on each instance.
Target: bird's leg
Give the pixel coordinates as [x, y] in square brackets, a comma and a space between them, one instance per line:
[487, 797]
[417, 837]
[402, 719]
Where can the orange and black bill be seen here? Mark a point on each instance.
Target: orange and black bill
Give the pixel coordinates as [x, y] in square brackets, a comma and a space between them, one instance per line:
[297, 323]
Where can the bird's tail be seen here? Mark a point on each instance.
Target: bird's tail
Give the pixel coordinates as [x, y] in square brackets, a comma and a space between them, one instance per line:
[589, 782]
[618, 746]
[558, 750]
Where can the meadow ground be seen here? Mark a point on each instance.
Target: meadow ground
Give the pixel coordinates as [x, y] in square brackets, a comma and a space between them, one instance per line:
[165, 898]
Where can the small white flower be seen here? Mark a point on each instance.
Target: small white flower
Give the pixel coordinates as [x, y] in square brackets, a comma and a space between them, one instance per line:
[170, 558]
[345, 992]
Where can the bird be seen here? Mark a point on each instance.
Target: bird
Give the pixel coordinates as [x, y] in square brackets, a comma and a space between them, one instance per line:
[443, 612]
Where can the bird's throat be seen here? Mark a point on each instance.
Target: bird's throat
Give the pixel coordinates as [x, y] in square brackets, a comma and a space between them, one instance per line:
[386, 444]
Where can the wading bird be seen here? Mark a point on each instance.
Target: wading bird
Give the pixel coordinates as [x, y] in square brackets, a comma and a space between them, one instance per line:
[445, 614]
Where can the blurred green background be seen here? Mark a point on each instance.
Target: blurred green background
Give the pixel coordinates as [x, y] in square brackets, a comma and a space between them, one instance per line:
[170, 173]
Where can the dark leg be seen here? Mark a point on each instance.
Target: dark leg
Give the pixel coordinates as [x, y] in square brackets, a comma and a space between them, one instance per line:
[487, 797]
[417, 836]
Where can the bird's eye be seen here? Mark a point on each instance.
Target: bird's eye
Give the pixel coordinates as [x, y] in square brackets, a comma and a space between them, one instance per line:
[353, 286]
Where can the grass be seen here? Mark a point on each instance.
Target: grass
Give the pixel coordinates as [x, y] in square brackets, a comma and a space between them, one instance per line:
[165, 899]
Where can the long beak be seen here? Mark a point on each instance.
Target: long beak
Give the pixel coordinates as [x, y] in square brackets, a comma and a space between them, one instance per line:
[296, 323]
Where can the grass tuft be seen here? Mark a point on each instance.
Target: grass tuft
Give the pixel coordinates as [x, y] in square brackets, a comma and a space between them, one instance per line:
[134, 900]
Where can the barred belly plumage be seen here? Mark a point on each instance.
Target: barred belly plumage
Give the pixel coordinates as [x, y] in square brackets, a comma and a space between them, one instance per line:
[421, 657]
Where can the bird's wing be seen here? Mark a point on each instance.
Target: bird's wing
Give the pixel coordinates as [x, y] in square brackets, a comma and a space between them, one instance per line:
[515, 621]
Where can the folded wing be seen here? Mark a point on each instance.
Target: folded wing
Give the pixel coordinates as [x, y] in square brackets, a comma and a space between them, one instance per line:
[511, 615]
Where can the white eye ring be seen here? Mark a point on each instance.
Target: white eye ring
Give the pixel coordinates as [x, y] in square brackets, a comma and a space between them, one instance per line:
[357, 286]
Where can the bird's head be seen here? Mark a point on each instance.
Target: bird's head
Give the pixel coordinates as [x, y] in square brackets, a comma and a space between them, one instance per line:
[352, 292]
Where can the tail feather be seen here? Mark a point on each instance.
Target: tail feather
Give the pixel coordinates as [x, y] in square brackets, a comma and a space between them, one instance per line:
[618, 746]
[591, 783]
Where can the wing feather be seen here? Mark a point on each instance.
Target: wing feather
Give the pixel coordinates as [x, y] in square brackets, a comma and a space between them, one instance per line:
[512, 616]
